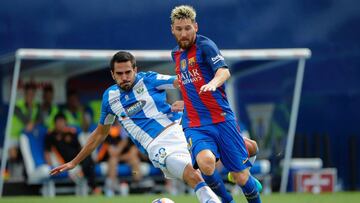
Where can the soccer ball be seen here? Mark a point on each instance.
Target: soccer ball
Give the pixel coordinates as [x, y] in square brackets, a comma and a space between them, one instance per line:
[162, 200]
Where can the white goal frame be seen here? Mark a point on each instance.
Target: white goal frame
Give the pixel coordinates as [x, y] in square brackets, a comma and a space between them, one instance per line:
[300, 55]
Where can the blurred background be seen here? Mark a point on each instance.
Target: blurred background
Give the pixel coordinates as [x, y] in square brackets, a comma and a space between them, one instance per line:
[327, 133]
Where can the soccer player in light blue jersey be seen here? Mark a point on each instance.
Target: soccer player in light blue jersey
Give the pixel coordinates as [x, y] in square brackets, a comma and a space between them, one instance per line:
[208, 121]
[138, 101]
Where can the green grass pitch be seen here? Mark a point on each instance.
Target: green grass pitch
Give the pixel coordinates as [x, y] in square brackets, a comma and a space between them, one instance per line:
[348, 197]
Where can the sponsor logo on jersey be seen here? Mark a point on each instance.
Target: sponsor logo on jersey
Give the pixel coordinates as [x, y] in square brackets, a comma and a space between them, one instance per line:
[189, 76]
[113, 100]
[135, 107]
[217, 58]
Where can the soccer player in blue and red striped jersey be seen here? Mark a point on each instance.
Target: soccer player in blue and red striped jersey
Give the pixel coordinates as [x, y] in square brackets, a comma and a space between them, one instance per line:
[208, 122]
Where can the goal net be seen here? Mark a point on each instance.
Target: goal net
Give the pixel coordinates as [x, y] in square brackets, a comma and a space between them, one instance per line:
[57, 66]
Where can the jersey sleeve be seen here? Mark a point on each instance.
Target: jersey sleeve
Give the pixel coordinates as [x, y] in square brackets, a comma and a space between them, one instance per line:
[213, 56]
[107, 117]
[160, 81]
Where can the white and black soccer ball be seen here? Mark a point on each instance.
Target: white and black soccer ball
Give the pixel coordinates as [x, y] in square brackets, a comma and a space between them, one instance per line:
[162, 200]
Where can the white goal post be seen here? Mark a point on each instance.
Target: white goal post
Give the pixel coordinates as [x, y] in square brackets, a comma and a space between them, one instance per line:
[300, 55]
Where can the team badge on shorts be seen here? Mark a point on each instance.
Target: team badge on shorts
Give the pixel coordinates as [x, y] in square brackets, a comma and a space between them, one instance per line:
[162, 152]
[189, 143]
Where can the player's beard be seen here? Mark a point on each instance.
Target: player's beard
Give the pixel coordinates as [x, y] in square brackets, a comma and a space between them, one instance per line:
[126, 86]
[186, 44]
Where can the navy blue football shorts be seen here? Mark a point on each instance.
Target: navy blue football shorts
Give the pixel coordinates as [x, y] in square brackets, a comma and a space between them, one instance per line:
[224, 140]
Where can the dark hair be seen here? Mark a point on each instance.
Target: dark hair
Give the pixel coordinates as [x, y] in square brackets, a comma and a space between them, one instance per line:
[71, 92]
[30, 86]
[59, 116]
[48, 88]
[122, 56]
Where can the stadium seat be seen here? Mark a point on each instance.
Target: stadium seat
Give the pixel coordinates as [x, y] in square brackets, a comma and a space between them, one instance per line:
[36, 168]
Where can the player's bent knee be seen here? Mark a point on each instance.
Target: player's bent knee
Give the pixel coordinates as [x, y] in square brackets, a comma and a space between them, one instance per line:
[241, 177]
[255, 149]
[207, 169]
[251, 146]
[206, 163]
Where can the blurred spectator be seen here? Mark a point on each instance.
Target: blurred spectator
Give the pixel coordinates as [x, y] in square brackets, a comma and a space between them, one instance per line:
[25, 115]
[117, 148]
[48, 109]
[74, 111]
[63, 143]
[95, 109]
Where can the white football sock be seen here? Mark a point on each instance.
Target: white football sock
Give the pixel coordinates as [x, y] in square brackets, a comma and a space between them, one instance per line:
[206, 195]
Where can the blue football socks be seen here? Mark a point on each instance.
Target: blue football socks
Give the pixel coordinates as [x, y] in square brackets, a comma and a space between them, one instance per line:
[251, 191]
[215, 182]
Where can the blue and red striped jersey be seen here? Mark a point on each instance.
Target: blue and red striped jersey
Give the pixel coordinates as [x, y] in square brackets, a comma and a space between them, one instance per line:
[196, 67]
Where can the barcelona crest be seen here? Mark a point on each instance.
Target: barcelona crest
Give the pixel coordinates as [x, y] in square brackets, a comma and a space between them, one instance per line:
[191, 61]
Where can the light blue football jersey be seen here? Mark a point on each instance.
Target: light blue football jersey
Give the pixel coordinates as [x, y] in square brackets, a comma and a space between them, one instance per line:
[142, 111]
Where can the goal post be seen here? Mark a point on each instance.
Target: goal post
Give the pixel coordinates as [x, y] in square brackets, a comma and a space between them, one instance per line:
[103, 57]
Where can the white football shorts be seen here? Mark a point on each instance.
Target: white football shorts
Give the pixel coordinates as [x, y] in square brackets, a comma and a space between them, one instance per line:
[169, 152]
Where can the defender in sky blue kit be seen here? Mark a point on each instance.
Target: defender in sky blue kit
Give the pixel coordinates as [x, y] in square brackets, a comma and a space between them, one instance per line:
[138, 101]
[141, 111]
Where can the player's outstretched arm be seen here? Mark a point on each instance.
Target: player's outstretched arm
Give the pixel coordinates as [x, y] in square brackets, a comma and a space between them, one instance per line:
[96, 137]
[221, 75]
